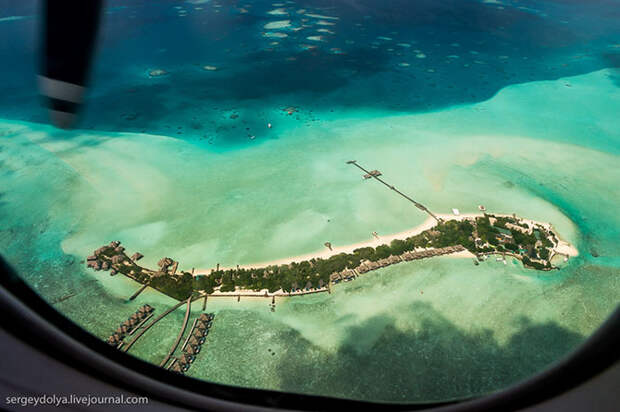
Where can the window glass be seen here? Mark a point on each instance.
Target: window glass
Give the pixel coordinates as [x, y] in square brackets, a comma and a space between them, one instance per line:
[381, 200]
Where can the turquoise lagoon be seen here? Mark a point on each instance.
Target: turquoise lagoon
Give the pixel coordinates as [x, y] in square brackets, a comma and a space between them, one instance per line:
[523, 120]
[433, 329]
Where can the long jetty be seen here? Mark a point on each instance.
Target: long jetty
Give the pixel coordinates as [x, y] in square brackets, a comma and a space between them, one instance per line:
[176, 343]
[135, 295]
[189, 335]
[417, 204]
[157, 319]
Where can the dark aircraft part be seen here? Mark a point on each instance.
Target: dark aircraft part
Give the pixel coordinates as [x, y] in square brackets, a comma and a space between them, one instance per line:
[69, 34]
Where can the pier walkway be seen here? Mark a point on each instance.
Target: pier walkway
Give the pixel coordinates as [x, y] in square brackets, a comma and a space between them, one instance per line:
[135, 295]
[125, 348]
[374, 176]
[189, 335]
[176, 343]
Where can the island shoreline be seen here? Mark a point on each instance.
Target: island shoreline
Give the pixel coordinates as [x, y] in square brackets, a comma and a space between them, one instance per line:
[470, 235]
[565, 247]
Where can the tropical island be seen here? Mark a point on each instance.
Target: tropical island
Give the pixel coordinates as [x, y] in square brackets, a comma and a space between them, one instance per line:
[476, 236]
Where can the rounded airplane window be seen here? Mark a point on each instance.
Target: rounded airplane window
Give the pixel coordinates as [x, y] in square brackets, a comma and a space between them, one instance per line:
[385, 201]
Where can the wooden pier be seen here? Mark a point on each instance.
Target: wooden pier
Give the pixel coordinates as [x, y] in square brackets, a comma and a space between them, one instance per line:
[126, 347]
[135, 295]
[140, 324]
[375, 175]
[189, 335]
[176, 343]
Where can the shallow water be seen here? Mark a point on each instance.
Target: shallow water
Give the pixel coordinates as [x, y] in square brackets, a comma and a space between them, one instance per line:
[537, 139]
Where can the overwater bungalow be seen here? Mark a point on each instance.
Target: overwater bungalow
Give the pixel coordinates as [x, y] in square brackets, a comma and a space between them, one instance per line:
[176, 367]
[394, 259]
[186, 359]
[199, 336]
[164, 263]
[192, 350]
[145, 309]
[137, 256]
[114, 339]
[202, 325]
[193, 341]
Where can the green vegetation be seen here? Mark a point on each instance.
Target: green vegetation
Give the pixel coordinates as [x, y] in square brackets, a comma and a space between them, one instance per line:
[488, 234]
[178, 287]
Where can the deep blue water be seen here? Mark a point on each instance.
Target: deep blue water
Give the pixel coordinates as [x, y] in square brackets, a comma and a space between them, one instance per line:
[496, 44]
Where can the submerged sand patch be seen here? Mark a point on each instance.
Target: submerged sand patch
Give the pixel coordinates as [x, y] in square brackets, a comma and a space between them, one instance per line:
[278, 12]
[275, 25]
[277, 35]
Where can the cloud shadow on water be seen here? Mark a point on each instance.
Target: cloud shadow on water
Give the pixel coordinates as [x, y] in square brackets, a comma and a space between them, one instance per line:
[437, 361]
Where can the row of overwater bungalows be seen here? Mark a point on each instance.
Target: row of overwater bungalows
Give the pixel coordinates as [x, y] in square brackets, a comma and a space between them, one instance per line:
[367, 265]
[128, 326]
[192, 345]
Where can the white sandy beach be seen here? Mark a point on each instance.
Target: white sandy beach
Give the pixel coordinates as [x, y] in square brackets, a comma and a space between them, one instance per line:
[563, 247]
